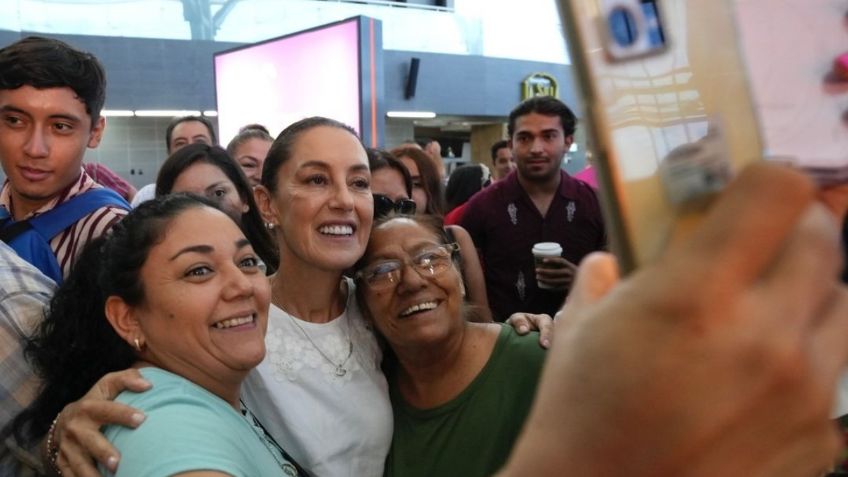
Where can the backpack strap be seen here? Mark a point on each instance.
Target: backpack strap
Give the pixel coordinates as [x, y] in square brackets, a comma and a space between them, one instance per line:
[6, 222]
[5, 216]
[67, 213]
[12, 230]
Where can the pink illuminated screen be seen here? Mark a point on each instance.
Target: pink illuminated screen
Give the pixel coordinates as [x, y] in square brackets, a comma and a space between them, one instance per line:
[314, 73]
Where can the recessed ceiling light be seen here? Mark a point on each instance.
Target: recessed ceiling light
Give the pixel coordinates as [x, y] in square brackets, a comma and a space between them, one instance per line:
[116, 113]
[165, 113]
[411, 114]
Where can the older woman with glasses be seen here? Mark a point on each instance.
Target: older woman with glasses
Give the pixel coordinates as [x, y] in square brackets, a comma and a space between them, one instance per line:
[393, 185]
[460, 390]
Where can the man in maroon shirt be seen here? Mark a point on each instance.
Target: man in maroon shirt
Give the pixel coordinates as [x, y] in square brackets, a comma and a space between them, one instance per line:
[538, 202]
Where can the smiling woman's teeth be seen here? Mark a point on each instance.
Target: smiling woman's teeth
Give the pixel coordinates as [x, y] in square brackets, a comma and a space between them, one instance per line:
[233, 322]
[336, 230]
[419, 307]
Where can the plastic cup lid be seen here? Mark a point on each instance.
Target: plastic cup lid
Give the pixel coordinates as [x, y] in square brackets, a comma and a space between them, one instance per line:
[547, 248]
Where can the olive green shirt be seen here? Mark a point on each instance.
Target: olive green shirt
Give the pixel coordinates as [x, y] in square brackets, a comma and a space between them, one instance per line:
[472, 434]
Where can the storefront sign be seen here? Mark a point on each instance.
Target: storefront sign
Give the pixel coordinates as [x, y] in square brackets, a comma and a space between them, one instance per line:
[539, 84]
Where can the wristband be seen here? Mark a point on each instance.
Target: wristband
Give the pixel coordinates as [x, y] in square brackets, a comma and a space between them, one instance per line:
[52, 447]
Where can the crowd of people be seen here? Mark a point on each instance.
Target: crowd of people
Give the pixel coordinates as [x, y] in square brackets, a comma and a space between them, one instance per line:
[301, 304]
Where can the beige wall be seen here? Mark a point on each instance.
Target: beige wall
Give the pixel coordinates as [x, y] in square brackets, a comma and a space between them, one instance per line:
[482, 138]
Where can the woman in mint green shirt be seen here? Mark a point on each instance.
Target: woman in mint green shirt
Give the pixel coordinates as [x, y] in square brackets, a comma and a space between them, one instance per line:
[189, 309]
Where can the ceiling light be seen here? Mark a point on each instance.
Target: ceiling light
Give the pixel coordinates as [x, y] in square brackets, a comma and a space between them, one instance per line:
[116, 113]
[411, 114]
[165, 113]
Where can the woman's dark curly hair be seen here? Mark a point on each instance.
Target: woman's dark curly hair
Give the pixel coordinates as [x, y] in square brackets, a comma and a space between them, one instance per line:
[76, 345]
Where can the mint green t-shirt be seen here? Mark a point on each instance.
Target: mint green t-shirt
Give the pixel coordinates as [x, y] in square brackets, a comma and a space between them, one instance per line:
[187, 428]
[471, 435]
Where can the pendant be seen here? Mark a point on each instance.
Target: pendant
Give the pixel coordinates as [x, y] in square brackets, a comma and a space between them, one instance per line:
[340, 371]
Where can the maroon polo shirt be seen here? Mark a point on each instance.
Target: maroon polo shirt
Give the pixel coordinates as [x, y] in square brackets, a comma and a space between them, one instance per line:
[504, 224]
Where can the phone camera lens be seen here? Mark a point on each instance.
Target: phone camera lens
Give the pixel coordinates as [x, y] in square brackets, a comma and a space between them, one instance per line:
[622, 25]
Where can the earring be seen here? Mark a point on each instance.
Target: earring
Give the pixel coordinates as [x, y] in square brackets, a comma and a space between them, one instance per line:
[137, 344]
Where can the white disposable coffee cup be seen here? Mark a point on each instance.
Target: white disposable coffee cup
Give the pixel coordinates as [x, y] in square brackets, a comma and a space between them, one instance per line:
[543, 250]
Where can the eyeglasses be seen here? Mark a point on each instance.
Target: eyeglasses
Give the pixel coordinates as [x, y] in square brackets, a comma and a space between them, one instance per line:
[429, 262]
[383, 205]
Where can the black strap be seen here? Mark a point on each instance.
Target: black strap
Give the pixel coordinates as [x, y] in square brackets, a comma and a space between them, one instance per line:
[10, 232]
[449, 233]
[290, 459]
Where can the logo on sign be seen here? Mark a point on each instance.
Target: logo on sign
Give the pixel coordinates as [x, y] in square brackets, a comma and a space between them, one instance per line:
[539, 84]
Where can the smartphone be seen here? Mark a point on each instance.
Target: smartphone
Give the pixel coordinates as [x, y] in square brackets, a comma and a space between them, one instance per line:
[670, 117]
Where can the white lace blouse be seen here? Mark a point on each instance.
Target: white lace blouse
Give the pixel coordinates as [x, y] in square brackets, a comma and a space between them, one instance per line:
[333, 425]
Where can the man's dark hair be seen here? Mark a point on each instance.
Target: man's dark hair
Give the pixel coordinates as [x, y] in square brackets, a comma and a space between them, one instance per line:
[503, 143]
[201, 119]
[48, 63]
[546, 106]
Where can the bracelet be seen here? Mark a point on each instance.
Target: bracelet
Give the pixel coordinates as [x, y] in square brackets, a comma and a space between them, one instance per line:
[52, 447]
